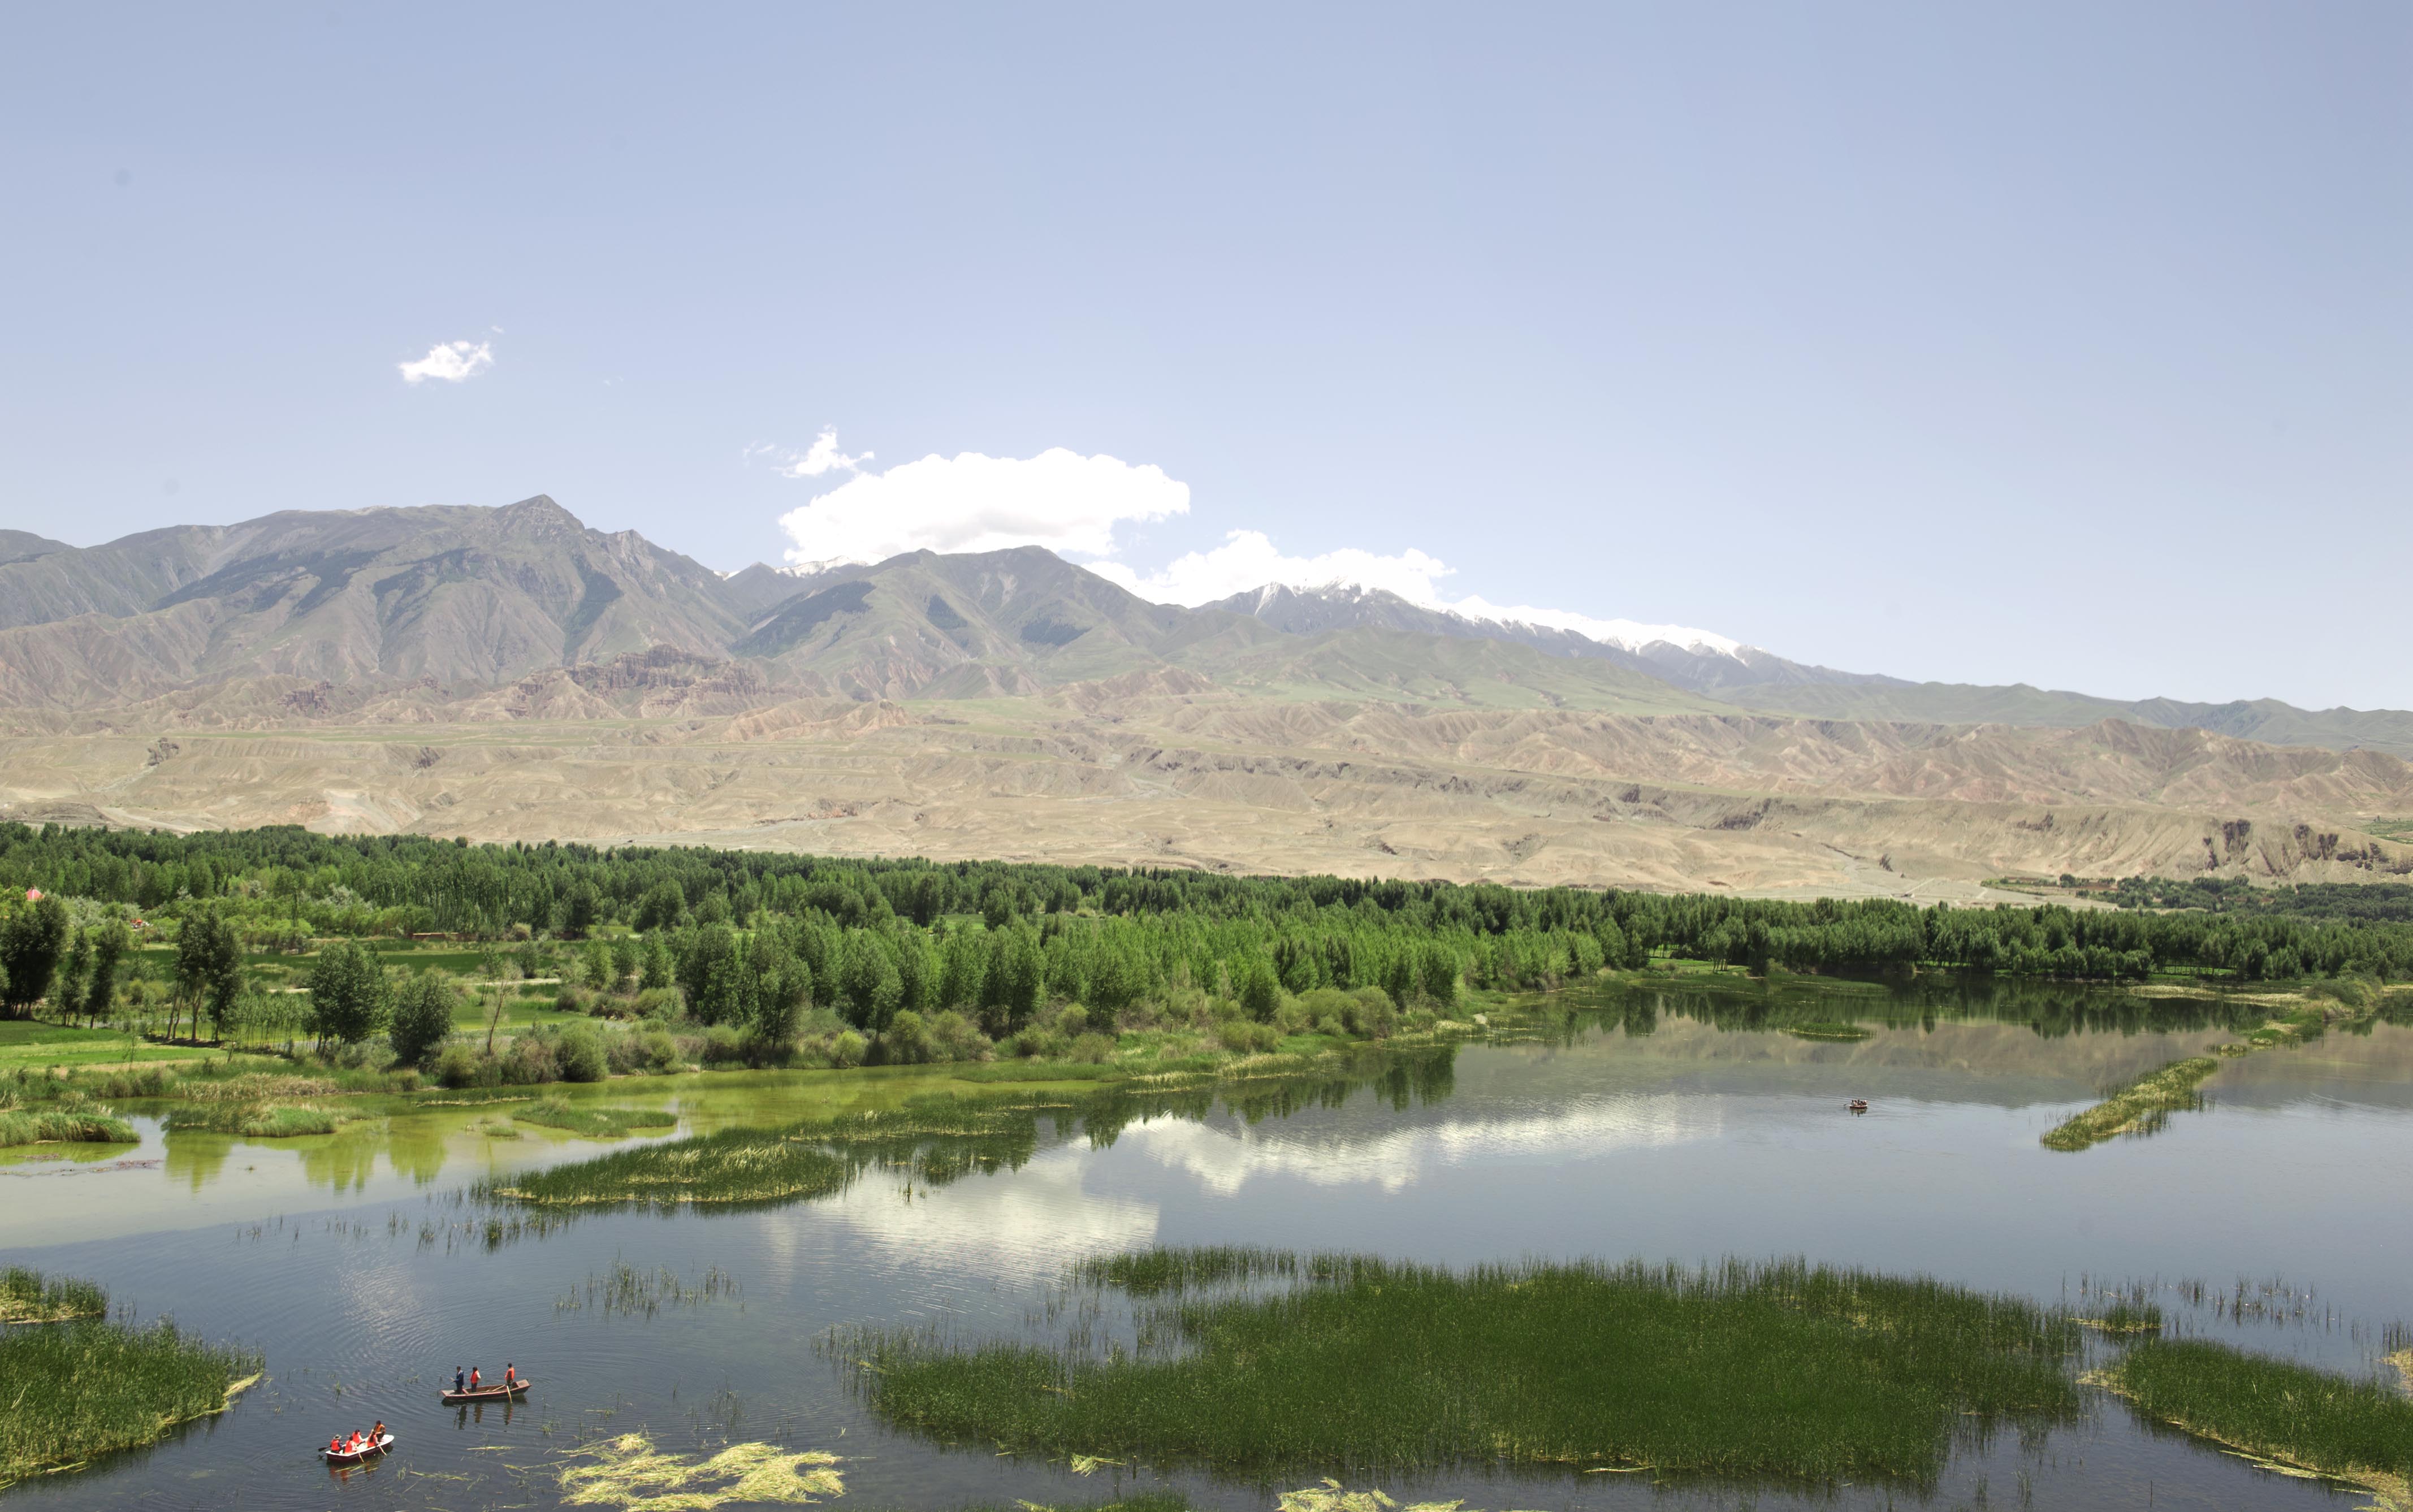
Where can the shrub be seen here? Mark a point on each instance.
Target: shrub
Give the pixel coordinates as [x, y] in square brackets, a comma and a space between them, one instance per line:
[649, 1050]
[848, 1048]
[1094, 1049]
[659, 1004]
[957, 1038]
[907, 1041]
[580, 1054]
[461, 1066]
[723, 1045]
[530, 1062]
[1246, 1037]
[569, 1000]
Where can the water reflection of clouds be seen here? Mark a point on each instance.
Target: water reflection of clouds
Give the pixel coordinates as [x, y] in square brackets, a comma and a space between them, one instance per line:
[1023, 1223]
[1225, 1157]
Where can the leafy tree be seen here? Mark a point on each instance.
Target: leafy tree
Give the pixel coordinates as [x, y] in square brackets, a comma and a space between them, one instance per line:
[110, 944]
[349, 993]
[1260, 991]
[209, 968]
[624, 963]
[423, 1018]
[659, 969]
[660, 907]
[32, 939]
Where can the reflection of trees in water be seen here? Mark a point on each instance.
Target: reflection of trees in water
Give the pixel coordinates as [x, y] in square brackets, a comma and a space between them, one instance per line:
[2052, 1009]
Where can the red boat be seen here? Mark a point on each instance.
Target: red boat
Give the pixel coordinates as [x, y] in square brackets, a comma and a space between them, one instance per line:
[353, 1457]
[490, 1393]
[1858, 1105]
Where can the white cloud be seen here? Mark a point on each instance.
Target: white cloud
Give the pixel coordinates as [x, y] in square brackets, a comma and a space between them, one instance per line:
[1060, 500]
[453, 361]
[1249, 559]
[1070, 504]
[821, 457]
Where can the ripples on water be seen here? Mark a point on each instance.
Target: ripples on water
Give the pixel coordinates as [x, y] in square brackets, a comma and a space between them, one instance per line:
[1662, 1127]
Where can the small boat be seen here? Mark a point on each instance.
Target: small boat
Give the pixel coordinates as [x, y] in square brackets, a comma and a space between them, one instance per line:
[1858, 1105]
[353, 1457]
[490, 1393]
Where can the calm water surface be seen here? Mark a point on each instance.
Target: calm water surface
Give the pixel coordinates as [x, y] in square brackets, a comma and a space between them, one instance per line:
[1651, 1125]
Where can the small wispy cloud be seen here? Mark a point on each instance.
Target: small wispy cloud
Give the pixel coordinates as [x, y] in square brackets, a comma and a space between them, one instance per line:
[451, 361]
[822, 457]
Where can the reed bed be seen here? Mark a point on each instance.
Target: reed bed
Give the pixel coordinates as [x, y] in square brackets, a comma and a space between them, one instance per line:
[1827, 1029]
[31, 1296]
[2138, 1107]
[79, 1390]
[52, 1126]
[593, 1122]
[734, 1168]
[261, 1121]
[2360, 1431]
[1773, 1370]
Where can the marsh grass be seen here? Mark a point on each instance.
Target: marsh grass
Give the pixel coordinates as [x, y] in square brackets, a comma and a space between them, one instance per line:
[261, 1121]
[629, 1472]
[593, 1122]
[2138, 1107]
[52, 1126]
[2276, 1410]
[30, 1297]
[626, 1289]
[128, 1387]
[1776, 1371]
[733, 1168]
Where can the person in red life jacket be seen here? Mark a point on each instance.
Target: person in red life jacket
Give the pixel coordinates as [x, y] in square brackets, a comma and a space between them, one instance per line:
[511, 1376]
[473, 1378]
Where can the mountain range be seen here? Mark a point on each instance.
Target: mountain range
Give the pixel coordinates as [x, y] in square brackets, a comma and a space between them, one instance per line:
[1016, 702]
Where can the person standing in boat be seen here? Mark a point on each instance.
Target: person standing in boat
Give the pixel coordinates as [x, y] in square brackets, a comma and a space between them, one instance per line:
[460, 1381]
[473, 1378]
[511, 1376]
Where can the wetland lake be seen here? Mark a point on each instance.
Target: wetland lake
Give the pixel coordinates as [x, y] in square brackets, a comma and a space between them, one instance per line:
[1612, 1125]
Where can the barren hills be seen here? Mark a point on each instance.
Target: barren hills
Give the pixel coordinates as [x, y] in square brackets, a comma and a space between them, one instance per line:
[509, 674]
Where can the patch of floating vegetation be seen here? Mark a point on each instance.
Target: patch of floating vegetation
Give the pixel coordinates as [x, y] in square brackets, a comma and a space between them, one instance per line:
[30, 1297]
[2124, 1317]
[1774, 1370]
[629, 1290]
[52, 1126]
[2138, 1107]
[629, 1473]
[1331, 1496]
[593, 1122]
[261, 1121]
[2279, 1413]
[1828, 1029]
[78, 1386]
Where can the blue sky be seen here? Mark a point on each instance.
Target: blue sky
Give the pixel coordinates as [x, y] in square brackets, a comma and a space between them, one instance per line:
[2064, 344]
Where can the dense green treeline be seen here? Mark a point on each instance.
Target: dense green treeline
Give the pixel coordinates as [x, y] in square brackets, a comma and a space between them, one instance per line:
[2389, 903]
[757, 939]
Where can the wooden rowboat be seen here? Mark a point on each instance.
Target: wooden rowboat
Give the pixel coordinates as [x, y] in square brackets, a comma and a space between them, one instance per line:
[366, 1451]
[490, 1393]
[1858, 1105]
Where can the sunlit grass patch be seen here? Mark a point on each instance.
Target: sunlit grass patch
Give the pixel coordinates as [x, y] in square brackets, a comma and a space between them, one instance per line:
[594, 1123]
[629, 1471]
[2274, 1409]
[2126, 1317]
[1777, 1370]
[78, 1389]
[30, 1297]
[2139, 1106]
